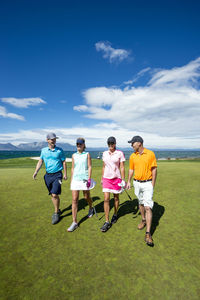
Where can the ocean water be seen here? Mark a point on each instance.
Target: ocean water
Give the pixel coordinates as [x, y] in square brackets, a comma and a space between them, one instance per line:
[160, 154]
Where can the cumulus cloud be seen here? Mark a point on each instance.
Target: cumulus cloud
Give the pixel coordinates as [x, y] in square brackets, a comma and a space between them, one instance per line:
[23, 102]
[168, 105]
[113, 55]
[5, 114]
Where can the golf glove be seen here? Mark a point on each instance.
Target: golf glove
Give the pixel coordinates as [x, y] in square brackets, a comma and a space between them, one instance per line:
[88, 183]
[123, 184]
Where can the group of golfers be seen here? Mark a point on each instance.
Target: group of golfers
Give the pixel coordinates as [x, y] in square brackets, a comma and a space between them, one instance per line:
[142, 164]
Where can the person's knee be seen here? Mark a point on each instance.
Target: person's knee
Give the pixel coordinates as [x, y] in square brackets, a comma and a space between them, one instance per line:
[86, 195]
[55, 196]
[116, 200]
[75, 201]
[106, 200]
[147, 209]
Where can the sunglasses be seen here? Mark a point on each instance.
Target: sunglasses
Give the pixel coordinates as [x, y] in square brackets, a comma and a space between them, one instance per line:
[111, 144]
[78, 144]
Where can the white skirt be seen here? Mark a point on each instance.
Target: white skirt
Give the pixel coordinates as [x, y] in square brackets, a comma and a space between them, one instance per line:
[80, 185]
[111, 191]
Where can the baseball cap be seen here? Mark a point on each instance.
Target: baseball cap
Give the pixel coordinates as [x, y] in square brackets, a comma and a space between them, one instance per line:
[80, 141]
[51, 136]
[111, 139]
[136, 138]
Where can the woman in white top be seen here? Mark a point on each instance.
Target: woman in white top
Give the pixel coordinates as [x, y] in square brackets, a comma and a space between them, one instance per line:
[113, 175]
[80, 180]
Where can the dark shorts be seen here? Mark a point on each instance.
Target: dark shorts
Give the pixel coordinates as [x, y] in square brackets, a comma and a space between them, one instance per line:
[53, 182]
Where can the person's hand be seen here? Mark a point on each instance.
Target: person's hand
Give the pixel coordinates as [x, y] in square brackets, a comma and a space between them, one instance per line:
[65, 177]
[34, 175]
[128, 185]
[88, 184]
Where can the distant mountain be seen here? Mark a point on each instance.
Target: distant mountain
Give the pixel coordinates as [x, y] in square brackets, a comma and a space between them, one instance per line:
[35, 146]
[8, 147]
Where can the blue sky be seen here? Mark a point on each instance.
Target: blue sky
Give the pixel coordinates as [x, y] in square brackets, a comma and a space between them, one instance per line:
[100, 68]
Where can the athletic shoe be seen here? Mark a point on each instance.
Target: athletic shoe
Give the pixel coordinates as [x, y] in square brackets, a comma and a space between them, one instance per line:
[55, 218]
[72, 227]
[105, 226]
[142, 224]
[114, 219]
[91, 212]
[148, 239]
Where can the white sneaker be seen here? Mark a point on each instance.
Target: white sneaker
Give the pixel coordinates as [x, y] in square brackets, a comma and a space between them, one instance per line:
[72, 227]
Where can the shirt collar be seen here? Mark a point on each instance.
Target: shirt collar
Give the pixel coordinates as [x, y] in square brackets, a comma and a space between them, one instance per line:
[144, 152]
[53, 149]
[111, 153]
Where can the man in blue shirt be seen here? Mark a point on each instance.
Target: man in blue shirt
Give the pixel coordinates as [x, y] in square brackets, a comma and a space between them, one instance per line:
[54, 160]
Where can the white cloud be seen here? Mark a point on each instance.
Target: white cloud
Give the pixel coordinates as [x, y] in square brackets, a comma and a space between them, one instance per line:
[140, 74]
[5, 114]
[23, 102]
[114, 55]
[165, 112]
[97, 137]
[178, 77]
[168, 106]
[81, 108]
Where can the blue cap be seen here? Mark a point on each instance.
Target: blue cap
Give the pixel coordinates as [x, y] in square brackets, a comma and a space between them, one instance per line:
[80, 141]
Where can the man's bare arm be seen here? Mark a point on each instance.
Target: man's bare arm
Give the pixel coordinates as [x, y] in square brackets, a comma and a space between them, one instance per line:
[130, 175]
[38, 167]
[65, 170]
[154, 175]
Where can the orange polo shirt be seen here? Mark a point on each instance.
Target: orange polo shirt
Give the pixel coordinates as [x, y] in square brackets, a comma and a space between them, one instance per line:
[142, 164]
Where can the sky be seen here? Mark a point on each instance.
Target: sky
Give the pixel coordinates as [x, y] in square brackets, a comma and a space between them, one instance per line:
[96, 69]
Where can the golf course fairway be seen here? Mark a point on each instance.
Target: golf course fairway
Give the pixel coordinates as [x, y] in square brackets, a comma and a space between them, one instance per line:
[44, 261]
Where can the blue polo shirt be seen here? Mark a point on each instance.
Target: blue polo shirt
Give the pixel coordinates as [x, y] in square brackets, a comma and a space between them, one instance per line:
[53, 159]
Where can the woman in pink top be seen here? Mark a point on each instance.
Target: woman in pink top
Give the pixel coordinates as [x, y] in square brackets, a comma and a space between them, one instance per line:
[113, 174]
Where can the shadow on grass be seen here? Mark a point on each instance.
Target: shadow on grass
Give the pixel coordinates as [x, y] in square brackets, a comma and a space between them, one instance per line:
[82, 203]
[128, 207]
[99, 209]
[158, 211]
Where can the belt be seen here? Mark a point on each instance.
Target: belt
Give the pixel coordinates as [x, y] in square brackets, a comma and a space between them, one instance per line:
[142, 180]
[53, 173]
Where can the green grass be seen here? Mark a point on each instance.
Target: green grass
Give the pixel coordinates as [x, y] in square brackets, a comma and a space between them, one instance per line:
[42, 261]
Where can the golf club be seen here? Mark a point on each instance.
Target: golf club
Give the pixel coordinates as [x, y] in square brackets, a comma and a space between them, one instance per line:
[95, 211]
[124, 189]
[128, 195]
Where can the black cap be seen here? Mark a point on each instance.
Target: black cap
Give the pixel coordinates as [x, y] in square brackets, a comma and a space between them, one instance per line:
[111, 139]
[136, 138]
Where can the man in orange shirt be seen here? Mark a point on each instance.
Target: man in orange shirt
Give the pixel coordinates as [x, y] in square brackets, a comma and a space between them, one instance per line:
[144, 166]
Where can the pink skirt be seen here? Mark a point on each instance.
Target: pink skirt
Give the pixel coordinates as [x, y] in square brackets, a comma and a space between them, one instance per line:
[111, 185]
